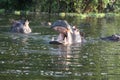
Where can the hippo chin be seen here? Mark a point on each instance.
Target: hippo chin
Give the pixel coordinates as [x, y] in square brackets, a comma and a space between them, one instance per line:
[21, 26]
[112, 38]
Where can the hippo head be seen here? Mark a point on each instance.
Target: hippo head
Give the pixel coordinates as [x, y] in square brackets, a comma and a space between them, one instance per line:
[67, 33]
[112, 38]
[116, 37]
[61, 23]
[62, 27]
[20, 26]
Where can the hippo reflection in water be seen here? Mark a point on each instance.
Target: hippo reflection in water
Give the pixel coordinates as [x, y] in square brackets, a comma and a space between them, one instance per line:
[21, 26]
[114, 37]
[67, 34]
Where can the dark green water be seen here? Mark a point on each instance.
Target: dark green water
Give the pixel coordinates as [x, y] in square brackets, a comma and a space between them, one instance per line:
[31, 57]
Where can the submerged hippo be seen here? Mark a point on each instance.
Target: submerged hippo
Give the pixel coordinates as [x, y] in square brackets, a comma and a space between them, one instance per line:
[112, 38]
[21, 26]
[67, 34]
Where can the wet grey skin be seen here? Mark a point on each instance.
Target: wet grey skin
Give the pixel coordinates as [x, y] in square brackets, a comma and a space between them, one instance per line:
[60, 23]
[112, 38]
[17, 26]
[71, 36]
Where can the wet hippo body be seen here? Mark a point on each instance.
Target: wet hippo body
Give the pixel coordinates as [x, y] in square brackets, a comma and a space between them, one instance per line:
[17, 27]
[20, 27]
[67, 34]
[112, 38]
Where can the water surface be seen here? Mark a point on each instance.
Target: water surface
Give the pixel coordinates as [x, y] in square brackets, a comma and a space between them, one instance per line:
[31, 57]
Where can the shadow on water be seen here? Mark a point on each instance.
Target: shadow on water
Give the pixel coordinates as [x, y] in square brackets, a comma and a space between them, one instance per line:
[31, 57]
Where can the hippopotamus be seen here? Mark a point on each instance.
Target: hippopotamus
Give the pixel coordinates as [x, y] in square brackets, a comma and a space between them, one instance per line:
[20, 26]
[67, 34]
[114, 37]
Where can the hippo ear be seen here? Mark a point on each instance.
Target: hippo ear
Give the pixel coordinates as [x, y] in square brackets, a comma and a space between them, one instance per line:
[26, 22]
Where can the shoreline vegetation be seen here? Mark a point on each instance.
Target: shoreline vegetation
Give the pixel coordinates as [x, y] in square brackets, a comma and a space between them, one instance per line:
[61, 14]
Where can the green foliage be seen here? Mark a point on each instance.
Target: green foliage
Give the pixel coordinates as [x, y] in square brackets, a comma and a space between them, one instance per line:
[2, 11]
[56, 6]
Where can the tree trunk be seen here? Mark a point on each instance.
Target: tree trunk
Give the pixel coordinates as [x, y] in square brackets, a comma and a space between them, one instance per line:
[100, 7]
[87, 7]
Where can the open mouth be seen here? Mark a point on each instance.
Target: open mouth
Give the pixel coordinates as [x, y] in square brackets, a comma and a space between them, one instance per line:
[62, 37]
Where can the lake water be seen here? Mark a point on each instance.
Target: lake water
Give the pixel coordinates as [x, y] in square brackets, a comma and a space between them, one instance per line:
[31, 57]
